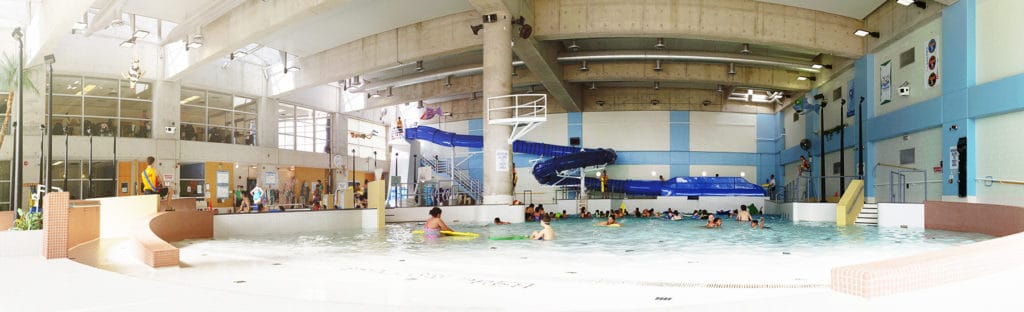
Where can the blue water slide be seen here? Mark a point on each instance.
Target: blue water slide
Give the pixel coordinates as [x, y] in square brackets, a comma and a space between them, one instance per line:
[566, 158]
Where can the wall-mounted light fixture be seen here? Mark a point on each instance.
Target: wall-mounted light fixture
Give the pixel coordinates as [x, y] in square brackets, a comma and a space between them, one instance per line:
[655, 102]
[918, 3]
[419, 65]
[746, 48]
[657, 65]
[805, 78]
[660, 44]
[573, 47]
[593, 86]
[820, 66]
[732, 69]
[865, 33]
[583, 66]
[657, 85]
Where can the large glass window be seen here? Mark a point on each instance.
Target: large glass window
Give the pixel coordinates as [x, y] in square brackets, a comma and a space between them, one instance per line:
[192, 177]
[78, 173]
[365, 138]
[303, 129]
[208, 116]
[98, 106]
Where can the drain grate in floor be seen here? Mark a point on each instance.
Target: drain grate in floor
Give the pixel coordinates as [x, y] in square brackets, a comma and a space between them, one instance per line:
[662, 298]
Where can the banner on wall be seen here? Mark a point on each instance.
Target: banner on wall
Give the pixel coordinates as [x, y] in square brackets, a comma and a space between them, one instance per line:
[270, 178]
[885, 82]
[851, 109]
[931, 64]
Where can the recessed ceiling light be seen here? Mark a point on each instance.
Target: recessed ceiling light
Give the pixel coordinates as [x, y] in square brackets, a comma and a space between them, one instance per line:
[140, 34]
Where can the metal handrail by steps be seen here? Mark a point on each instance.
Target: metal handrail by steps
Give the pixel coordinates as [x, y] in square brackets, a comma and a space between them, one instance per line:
[462, 177]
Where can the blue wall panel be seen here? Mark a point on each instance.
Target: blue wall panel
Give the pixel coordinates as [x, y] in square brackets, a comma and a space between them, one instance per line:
[575, 128]
[679, 131]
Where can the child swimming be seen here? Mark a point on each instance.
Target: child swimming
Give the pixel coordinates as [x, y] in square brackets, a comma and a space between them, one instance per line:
[547, 233]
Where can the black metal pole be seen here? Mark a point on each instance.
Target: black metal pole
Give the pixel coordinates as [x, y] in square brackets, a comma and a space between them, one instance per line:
[49, 121]
[821, 148]
[353, 184]
[117, 168]
[397, 201]
[90, 164]
[66, 152]
[842, 147]
[18, 151]
[860, 137]
[42, 155]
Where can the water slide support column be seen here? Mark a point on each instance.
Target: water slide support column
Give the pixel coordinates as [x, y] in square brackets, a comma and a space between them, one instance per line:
[497, 81]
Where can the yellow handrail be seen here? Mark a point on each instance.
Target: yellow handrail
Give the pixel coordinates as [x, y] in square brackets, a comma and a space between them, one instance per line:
[850, 205]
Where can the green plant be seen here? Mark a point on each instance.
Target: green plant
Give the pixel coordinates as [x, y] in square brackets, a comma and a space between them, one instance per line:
[9, 81]
[28, 221]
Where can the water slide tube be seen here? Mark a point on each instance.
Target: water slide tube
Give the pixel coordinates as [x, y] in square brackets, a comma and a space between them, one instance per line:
[567, 157]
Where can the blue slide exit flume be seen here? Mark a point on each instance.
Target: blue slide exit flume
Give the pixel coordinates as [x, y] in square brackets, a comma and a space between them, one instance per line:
[567, 158]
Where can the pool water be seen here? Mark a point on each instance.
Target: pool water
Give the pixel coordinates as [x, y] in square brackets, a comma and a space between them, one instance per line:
[644, 255]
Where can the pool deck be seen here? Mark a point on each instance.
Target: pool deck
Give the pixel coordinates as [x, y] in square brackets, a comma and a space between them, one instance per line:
[71, 286]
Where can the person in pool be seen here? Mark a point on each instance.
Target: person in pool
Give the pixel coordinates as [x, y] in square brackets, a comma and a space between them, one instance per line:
[499, 222]
[711, 222]
[755, 224]
[743, 215]
[547, 233]
[611, 221]
[433, 227]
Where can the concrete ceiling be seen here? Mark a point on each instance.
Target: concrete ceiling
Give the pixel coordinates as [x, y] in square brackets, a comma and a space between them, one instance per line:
[357, 19]
[175, 11]
[603, 44]
[850, 8]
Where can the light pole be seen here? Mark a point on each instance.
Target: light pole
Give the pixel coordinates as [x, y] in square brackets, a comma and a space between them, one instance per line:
[353, 183]
[49, 60]
[842, 147]
[821, 142]
[16, 163]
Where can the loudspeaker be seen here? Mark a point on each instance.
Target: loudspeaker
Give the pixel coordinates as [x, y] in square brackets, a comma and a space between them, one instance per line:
[574, 141]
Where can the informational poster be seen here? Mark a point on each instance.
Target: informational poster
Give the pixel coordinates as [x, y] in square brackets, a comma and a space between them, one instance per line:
[931, 64]
[223, 176]
[954, 158]
[501, 160]
[270, 178]
[885, 82]
[851, 105]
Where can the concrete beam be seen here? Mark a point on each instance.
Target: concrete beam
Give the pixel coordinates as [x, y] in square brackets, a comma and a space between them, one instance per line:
[407, 44]
[246, 24]
[46, 29]
[639, 99]
[437, 89]
[688, 72]
[541, 58]
[743, 21]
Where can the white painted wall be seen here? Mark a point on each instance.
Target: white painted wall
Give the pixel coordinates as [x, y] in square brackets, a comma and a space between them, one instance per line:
[999, 155]
[912, 73]
[794, 131]
[834, 110]
[554, 131]
[899, 215]
[123, 216]
[21, 243]
[928, 153]
[238, 78]
[254, 224]
[998, 45]
[628, 131]
[103, 56]
[453, 215]
[813, 212]
[832, 185]
[322, 98]
[723, 132]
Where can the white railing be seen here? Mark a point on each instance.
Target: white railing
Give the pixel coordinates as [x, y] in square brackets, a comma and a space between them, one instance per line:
[524, 113]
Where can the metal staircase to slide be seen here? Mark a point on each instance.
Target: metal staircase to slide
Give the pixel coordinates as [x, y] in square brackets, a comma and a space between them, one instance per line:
[868, 215]
[472, 187]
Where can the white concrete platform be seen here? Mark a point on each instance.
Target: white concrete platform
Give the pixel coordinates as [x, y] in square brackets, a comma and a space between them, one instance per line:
[250, 224]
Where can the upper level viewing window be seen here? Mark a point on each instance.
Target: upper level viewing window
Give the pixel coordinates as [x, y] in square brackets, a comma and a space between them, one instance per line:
[102, 107]
[208, 116]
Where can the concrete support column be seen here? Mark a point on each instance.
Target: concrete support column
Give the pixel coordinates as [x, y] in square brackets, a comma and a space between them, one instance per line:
[497, 82]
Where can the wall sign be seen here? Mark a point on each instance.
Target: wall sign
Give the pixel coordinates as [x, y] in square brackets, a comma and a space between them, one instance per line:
[501, 160]
[222, 183]
[270, 178]
[885, 82]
